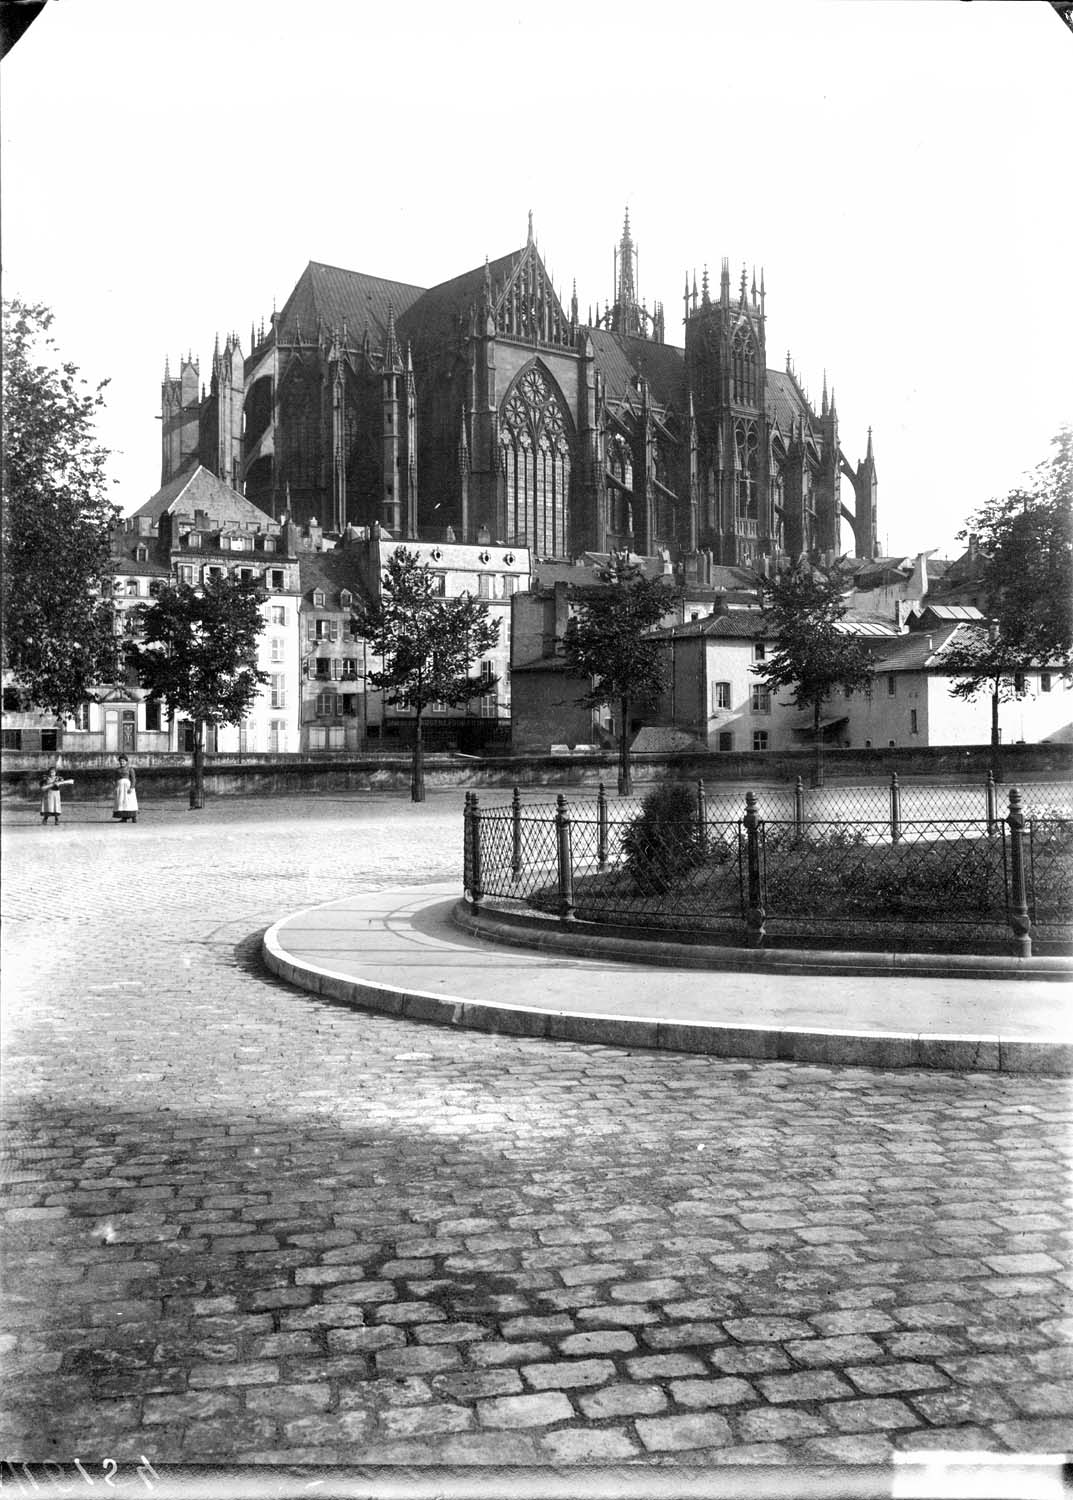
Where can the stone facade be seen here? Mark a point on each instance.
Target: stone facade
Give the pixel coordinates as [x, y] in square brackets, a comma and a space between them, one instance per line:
[486, 411]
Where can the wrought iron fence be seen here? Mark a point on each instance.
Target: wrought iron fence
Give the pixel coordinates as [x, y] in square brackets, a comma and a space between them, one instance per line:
[786, 869]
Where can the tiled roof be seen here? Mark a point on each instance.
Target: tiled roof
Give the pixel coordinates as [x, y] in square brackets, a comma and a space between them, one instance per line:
[743, 625]
[330, 297]
[198, 489]
[915, 652]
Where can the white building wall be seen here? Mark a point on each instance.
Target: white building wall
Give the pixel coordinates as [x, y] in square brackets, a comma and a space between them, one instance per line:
[272, 723]
[730, 661]
[1037, 716]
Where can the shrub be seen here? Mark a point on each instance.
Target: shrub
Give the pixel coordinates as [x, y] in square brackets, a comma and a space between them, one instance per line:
[665, 840]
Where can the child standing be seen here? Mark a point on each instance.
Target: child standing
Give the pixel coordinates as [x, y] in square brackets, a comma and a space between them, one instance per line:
[50, 795]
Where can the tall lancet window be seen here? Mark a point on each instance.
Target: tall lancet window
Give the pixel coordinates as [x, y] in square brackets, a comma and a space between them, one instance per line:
[536, 467]
[745, 466]
[743, 367]
[620, 469]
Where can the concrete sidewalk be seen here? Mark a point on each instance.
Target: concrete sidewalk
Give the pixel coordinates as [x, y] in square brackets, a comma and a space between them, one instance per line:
[399, 951]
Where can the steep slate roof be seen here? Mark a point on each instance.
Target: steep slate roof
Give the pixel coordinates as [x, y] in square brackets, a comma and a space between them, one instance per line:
[622, 361]
[784, 402]
[197, 489]
[332, 572]
[432, 316]
[124, 545]
[331, 296]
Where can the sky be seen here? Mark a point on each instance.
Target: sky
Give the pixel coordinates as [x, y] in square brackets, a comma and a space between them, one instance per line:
[900, 171]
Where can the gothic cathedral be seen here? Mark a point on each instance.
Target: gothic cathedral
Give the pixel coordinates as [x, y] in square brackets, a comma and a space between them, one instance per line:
[484, 410]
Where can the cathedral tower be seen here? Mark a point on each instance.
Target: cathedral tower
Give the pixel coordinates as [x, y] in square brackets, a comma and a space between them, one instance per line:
[726, 362]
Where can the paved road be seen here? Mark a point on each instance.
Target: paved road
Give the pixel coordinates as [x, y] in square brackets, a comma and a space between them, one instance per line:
[244, 1225]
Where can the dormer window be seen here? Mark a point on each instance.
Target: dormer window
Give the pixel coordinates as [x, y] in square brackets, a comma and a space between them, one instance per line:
[318, 598]
[346, 598]
[141, 553]
[269, 544]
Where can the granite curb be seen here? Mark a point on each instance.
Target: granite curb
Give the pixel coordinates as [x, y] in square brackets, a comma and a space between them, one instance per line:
[878, 1049]
[587, 940]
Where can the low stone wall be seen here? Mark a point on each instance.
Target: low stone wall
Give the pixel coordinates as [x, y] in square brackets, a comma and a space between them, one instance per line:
[166, 775]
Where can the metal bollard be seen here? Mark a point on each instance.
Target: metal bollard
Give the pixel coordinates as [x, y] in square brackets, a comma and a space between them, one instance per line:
[516, 825]
[755, 915]
[991, 801]
[475, 891]
[565, 854]
[601, 826]
[799, 807]
[1020, 920]
[895, 808]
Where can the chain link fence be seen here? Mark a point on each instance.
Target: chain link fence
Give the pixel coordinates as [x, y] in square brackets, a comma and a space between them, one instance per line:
[949, 868]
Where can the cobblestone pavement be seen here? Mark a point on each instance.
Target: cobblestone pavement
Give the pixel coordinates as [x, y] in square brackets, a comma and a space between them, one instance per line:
[244, 1225]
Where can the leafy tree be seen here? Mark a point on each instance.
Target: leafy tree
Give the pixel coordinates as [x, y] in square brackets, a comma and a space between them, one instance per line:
[57, 518]
[608, 640]
[1026, 540]
[196, 651]
[427, 645]
[802, 607]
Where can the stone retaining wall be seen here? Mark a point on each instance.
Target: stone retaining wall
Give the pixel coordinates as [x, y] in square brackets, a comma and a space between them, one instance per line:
[288, 775]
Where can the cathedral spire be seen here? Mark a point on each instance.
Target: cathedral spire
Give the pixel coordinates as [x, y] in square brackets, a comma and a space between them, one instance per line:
[529, 236]
[824, 408]
[704, 297]
[724, 283]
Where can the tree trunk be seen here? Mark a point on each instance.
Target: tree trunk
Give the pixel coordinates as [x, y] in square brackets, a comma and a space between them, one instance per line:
[996, 754]
[417, 776]
[625, 781]
[817, 740]
[197, 784]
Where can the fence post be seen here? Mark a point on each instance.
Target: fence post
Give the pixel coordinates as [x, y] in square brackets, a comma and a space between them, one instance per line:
[516, 824]
[565, 854]
[475, 892]
[895, 808]
[991, 799]
[755, 915]
[702, 818]
[799, 807]
[1019, 917]
[601, 826]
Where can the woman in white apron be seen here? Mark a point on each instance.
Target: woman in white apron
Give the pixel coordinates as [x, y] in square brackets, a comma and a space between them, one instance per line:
[126, 797]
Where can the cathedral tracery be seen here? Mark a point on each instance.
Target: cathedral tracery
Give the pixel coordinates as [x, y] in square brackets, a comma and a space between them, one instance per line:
[743, 367]
[535, 453]
[745, 466]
